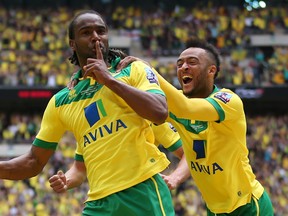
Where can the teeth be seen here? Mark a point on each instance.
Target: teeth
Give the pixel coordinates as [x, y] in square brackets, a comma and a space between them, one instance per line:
[187, 77]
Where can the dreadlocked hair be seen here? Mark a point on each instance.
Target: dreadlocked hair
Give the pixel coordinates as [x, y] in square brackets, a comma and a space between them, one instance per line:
[73, 59]
[114, 53]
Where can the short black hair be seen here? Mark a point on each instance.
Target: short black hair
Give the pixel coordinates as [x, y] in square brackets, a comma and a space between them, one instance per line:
[208, 47]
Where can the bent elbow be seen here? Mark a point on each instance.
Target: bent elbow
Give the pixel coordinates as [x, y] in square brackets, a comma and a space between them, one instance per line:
[34, 170]
[37, 171]
[160, 111]
[161, 117]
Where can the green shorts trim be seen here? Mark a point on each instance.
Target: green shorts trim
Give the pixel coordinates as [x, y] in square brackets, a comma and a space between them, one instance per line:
[151, 197]
[261, 207]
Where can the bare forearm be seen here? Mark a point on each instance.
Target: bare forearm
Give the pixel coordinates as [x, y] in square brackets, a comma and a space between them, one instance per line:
[74, 178]
[178, 176]
[182, 172]
[20, 168]
[147, 105]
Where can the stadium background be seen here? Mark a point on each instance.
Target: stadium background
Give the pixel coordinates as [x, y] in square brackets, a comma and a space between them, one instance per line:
[33, 66]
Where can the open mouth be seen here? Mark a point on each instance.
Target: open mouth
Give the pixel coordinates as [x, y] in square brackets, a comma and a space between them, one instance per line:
[186, 79]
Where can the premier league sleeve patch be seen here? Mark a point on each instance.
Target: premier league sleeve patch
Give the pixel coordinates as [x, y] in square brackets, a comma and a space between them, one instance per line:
[151, 76]
[172, 127]
[223, 96]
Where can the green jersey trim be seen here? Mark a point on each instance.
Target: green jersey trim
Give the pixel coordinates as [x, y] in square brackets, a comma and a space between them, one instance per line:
[175, 146]
[112, 69]
[195, 128]
[44, 144]
[124, 72]
[78, 75]
[156, 91]
[114, 64]
[218, 108]
[65, 96]
[84, 90]
[78, 157]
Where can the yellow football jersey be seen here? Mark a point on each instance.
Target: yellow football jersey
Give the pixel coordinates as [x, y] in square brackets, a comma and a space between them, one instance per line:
[216, 151]
[116, 144]
[167, 136]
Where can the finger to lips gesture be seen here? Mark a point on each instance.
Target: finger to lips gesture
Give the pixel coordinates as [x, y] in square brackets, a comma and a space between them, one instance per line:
[96, 67]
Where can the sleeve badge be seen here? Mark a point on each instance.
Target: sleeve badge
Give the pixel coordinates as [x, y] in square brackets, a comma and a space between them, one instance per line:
[223, 96]
[151, 76]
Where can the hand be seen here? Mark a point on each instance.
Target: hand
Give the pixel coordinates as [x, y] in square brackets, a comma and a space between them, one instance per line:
[128, 60]
[171, 182]
[58, 182]
[73, 82]
[97, 68]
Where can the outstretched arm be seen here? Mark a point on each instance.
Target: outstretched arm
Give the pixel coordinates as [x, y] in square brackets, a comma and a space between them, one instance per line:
[191, 108]
[27, 165]
[187, 108]
[74, 177]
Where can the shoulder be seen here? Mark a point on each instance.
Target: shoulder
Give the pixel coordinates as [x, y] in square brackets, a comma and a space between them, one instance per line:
[63, 96]
[141, 66]
[132, 68]
[228, 104]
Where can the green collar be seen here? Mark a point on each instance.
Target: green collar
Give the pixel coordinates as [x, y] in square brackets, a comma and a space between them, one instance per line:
[114, 64]
[215, 89]
[78, 75]
[112, 69]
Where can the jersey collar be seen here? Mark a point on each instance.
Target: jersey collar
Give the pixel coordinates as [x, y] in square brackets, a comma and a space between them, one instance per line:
[215, 89]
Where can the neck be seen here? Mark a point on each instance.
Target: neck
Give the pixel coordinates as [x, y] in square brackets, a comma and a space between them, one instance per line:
[201, 94]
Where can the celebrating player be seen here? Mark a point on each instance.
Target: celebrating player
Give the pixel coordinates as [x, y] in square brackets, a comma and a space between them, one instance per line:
[110, 115]
[211, 122]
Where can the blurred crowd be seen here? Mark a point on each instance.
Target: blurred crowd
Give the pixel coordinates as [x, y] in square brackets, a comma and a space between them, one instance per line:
[34, 197]
[34, 43]
[267, 140]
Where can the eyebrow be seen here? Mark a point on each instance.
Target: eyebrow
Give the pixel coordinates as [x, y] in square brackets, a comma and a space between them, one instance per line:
[187, 58]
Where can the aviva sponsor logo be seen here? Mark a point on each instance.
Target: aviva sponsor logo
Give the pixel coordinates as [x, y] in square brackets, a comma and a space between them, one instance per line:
[94, 112]
[208, 169]
[103, 130]
[199, 147]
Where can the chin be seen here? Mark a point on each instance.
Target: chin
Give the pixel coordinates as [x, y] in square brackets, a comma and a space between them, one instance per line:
[187, 92]
[186, 89]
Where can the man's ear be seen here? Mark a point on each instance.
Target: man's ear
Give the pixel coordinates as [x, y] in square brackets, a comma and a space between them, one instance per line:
[212, 69]
[72, 44]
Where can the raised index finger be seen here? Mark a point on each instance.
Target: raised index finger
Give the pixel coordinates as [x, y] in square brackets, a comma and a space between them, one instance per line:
[98, 50]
